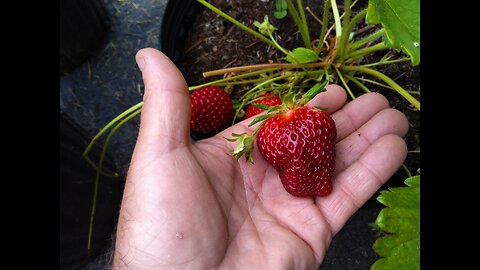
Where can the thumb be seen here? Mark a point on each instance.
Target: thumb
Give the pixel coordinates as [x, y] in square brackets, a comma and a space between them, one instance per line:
[165, 117]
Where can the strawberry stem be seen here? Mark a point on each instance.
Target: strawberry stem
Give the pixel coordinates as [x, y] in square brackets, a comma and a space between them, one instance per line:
[336, 16]
[357, 44]
[387, 80]
[236, 23]
[97, 176]
[323, 34]
[300, 21]
[387, 62]
[263, 66]
[134, 108]
[346, 29]
[358, 83]
[345, 83]
[368, 50]
[227, 80]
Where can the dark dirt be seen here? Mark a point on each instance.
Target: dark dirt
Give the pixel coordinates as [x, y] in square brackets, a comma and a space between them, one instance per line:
[215, 43]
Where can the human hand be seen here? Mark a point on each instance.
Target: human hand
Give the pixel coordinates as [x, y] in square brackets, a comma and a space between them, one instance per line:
[189, 205]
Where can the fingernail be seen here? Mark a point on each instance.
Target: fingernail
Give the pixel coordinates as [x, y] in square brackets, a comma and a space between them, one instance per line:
[141, 63]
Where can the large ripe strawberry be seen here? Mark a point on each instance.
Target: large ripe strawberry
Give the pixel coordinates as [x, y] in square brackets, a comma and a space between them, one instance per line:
[212, 110]
[300, 144]
[267, 99]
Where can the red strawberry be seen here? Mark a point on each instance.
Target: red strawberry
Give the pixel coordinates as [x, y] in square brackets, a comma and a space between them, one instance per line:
[300, 144]
[212, 109]
[268, 99]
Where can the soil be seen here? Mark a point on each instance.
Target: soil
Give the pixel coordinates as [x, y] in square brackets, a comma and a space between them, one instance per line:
[215, 43]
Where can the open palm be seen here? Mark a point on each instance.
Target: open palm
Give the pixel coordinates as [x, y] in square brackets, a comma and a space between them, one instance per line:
[189, 205]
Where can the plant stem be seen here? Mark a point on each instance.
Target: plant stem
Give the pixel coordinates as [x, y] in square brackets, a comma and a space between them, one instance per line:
[104, 173]
[244, 98]
[301, 26]
[387, 62]
[307, 40]
[357, 44]
[97, 176]
[236, 79]
[235, 22]
[414, 92]
[358, 83]
[386, 79]
[407, 171]
[376, 83]
[336, 16]
[344, 83]
[104, 129]
[347, 30]
[276, 45]
[368, 50]
[263, 83]
[314, 16]
[326, 8]
[346, 13]
[262, 66]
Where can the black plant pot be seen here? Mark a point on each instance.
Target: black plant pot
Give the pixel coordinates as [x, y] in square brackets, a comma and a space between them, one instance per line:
[177, 20]
[83, 24]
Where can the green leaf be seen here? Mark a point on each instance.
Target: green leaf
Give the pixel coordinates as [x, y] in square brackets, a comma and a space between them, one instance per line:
[407, 262]
[400, 221]
[260, 106]
[259, 118]
[280, 9]
[401, 20]
[312, 92]
[302, 56]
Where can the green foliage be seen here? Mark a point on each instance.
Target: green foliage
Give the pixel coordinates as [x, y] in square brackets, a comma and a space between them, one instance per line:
[302, 56]
[401, 20]
[400, 221]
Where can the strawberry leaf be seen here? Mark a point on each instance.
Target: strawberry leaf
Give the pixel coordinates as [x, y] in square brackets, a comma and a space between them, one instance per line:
[401, 20]
[260, 106]
[302, 56]
[259, 119]
[400, 221]
[321, 108]
[312, 92]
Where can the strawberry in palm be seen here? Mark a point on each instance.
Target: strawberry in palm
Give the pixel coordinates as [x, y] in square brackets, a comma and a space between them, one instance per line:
[298, 141]
[300, 144]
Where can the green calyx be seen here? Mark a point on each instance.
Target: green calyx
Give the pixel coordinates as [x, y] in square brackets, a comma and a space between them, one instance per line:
[293, 101]
[244, 146]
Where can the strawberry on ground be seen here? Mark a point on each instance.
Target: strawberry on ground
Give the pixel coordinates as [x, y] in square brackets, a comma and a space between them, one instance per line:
[267, 99]
[212, 110]
[300, 144]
